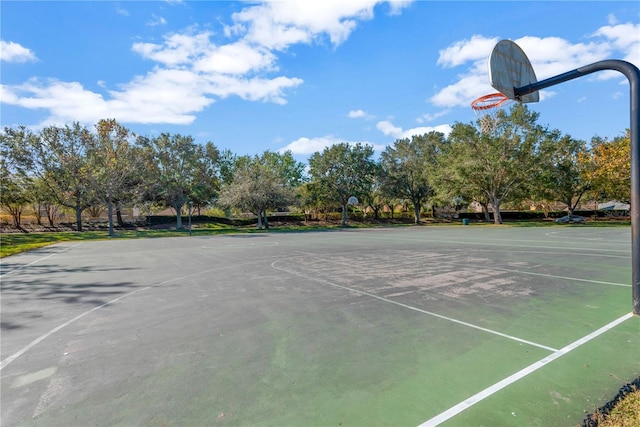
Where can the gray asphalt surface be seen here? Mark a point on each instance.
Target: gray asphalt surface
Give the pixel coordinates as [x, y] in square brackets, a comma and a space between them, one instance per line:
[243, 329]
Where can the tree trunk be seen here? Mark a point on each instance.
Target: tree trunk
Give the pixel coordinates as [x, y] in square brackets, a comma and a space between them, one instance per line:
[260, 220]
[485, 211]
[38, 213]
[110, 217]
[51, 214]
[119, 215]
[178, 208]
[497, 218]
[16, 214]
[344, 214]
[78, 218]
[266, 220]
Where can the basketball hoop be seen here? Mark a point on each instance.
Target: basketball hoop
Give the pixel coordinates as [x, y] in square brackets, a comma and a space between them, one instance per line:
[486, 108]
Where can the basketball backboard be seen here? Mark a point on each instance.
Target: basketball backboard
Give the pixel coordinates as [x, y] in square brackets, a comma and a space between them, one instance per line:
[510, 68]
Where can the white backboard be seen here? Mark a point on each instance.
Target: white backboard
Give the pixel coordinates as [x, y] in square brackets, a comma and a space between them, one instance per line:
[510, 68]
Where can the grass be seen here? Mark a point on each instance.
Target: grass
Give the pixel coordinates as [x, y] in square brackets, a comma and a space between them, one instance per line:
[625, 411]
[15, 243]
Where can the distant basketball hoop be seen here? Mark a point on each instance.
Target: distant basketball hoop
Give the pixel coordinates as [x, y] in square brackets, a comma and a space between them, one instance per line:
[486, 108]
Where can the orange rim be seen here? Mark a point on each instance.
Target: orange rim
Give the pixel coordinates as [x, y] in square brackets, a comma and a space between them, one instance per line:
[486, 102]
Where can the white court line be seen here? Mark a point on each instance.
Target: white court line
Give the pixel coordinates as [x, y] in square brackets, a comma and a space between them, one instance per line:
[563, 248]
[38, 260]
[551, 254]
[455, 410]
[531, 273]
[41, 338]
[555, 235]
[459, 322]
[491, 242]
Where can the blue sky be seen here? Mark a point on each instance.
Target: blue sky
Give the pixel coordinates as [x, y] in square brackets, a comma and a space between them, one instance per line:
[300, 75]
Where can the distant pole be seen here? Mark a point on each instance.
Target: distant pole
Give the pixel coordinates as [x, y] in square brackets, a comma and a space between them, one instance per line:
[633, 75]
[189, 204]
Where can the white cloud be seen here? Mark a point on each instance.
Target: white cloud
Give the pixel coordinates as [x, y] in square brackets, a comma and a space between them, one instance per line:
[396, 6]
[623, 37]
[14, 52]
[60, 98]
[156, 20]
[304, 145]
[431, 117]
[254, 89]
[356, 114]
[278, 24]
[549, 56]
[236, 58]
[466, 50]
[190, 72]
[389, 129]
[121, 11]
[308, 146]
[461, 93]
[162, 96]
[177, 49]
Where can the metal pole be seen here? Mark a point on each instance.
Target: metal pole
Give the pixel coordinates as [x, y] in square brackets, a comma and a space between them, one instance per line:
[189, 204]
[633, 75]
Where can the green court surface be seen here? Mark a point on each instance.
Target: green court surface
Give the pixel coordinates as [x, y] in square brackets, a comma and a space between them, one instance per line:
[430, 325]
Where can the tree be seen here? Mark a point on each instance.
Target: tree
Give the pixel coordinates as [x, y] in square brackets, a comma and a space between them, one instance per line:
[207, 185]
[341, 171]
[289, 171]
[178, 167]
[15, 192]
[57, 155]
[500, 164]
[562, 174]
[409, 166]
[115, 163]
[14, 180]
[375, 198]
[448, 183]
[262, 182]
[610, 170]
[43, 200]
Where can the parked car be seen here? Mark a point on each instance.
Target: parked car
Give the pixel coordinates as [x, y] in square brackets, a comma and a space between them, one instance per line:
[571, 218]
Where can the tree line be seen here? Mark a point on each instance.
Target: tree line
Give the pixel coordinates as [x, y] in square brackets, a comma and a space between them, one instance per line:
[107, 167]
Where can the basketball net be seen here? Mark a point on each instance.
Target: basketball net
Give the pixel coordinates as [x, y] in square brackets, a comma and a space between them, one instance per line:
[486, 108]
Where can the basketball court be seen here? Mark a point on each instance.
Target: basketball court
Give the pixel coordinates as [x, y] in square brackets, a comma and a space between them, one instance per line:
[436, 325]
[425, 326]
